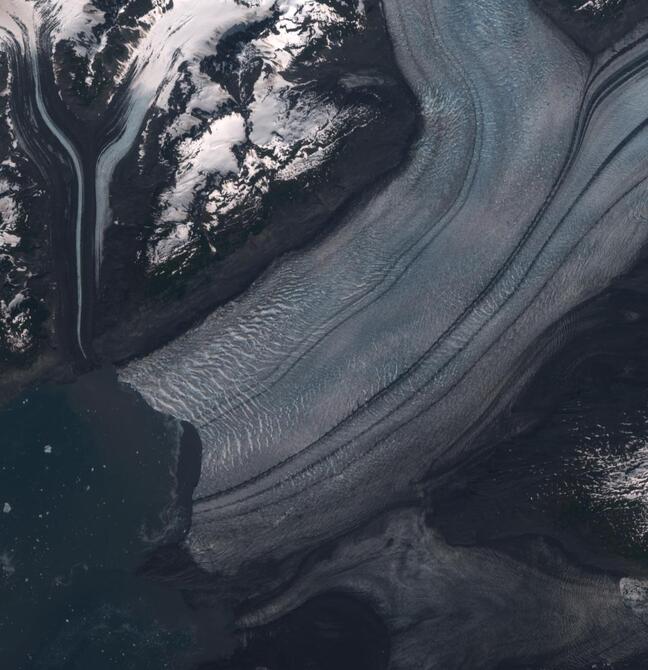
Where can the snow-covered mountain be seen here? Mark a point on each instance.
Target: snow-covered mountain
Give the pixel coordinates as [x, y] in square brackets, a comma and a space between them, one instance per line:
[196, 140]
[25, 300]
[16, 335]
[243, 130]
[219, 83]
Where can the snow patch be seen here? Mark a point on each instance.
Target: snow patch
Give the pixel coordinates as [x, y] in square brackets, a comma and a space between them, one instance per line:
[282, 130]
[74, 21]
[596, 6]
[19, 21]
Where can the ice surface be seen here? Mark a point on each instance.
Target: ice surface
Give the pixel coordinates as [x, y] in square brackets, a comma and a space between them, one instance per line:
[360, 363]
[74, 20]
[455, 607]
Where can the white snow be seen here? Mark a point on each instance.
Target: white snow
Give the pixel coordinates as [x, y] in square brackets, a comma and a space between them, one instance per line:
[74, 20]
[10, 212]
[183, 35]
[188, 32]
[14, 14]
[287, 131]
[20, 20]
[9, 240]
[595, 6]
[616, 480]
[212, 152]
[17, 300]
[14, 318]
[8, 209]
[172, 243]
[14, 322]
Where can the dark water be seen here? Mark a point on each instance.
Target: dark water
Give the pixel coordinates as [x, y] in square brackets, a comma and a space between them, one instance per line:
[89, 494]
[87, 490]
[91, 499]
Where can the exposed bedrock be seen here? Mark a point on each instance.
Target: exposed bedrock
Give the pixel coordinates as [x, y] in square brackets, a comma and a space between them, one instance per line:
[183, 149]
[37, 214]
[595, 24]
[262, 135]
[350, 370]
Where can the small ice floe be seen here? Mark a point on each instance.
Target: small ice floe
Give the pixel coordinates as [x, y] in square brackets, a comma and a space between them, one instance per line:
[47, 449]
[6, 508]
[7, 567]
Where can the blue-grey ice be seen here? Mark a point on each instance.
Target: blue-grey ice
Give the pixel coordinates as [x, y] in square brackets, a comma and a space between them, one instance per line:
[352, 369]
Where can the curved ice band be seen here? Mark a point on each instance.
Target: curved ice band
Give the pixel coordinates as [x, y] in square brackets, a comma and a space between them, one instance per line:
[354, 368]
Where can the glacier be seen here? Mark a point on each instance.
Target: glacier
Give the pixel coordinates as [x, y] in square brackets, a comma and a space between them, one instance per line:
[149, 64]
[364, 370]
[352, 370]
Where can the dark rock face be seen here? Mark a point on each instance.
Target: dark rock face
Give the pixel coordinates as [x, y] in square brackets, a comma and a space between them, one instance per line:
[87, 77]
[254, 136]
[356, 481]
[147, 294]
[27, 283]
[595, 25]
